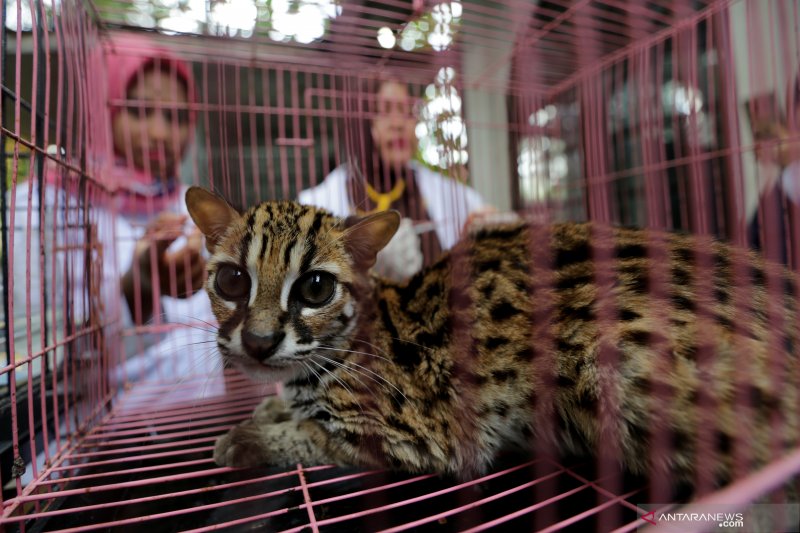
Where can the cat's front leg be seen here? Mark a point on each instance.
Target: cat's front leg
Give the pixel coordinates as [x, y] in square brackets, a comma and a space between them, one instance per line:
[280, 444]
[271, 411]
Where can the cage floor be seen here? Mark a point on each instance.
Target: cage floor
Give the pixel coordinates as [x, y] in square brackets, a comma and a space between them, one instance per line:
[149, 465]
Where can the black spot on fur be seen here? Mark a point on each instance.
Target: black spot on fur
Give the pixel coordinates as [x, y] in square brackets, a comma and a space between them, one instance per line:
[501, 409]
[643, 385]
[758, 277]
[586, 400]
[531, 400]
[565, 381]
[638, 428]
[406, 354]
[527, 354]
[579, 253]
[639, 337]
[433, 290]
[487, 290]
[570, 282]
[763, 400]
[680, 276]
[409, 292]
[523, 287]
[630, 251]
[628, 315]
[487, 266]
[638, 285]
[354, 439]
[504, 375]
[722, 296]
[694, 396]
[684, 255]
[583, 313]
[789, 287]
[431, 339]
[322, 415]
[721, 261]
[399, 425]
[682, 442]
[690, 352]
[724, 443]
[682, 302]
[725, 322]
[504, 311]
[499, 233]
[495, 342]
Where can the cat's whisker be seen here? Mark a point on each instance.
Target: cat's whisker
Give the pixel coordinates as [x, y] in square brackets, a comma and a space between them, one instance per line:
[347, 370]
[215, 327]
[194, 326]
[200, 342]
[412, 343]
[324, 347]
[389, 383]
[342, 383]
[373, 346]
[316, 374]
[217, 368]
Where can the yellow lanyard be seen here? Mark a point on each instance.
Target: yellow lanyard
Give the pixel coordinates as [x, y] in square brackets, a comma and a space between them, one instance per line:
[383, 201]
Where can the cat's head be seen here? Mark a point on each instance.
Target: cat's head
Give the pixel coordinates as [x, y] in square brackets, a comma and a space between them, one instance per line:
[282, 278]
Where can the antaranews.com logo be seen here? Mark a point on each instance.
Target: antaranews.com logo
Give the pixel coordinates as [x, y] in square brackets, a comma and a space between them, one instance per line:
[758, 517]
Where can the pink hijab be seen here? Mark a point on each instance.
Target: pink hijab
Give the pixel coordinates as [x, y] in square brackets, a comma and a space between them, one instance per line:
[140, 193]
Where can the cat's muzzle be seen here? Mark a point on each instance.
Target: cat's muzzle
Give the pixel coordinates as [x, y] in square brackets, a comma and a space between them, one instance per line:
[261, 347]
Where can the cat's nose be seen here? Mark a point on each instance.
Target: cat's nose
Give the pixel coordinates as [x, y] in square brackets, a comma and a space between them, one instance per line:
[261, 347]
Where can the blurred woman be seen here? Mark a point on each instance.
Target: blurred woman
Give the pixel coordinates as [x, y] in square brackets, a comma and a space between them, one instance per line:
[773, 227]
[435, 208]
[142, 233]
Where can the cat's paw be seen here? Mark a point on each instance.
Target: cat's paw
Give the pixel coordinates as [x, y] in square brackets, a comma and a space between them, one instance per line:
[271, 411]
[240, 447]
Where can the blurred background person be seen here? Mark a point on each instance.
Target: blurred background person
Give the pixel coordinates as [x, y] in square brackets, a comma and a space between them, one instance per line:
[145, 235]
[435, 208]
[777, 151]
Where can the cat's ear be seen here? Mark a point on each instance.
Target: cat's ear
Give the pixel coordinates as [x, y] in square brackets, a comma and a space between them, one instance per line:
[366, 236]
[212, 214]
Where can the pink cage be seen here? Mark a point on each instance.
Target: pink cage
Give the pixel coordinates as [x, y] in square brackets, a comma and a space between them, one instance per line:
[657, 114]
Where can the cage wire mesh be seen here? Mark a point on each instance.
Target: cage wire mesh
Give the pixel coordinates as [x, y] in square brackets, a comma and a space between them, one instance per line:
[675, 115]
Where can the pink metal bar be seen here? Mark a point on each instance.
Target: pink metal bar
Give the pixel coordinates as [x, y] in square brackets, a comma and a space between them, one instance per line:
[309, 507]
[471, 505]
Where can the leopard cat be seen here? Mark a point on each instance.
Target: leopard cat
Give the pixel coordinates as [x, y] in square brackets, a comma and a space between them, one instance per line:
[652, 349]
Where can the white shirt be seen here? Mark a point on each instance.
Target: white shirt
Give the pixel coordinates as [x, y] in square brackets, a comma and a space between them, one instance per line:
[449, 202]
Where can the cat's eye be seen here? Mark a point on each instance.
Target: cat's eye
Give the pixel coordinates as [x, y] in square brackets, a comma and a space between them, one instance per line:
[232, 283]
[315, 288]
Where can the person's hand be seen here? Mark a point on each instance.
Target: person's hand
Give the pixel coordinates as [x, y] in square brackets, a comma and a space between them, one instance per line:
[178, 273]
[478, 218]
[488, 216]
[775, 144]
[402, 257]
